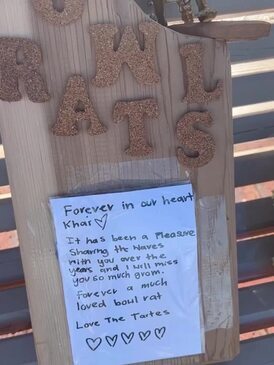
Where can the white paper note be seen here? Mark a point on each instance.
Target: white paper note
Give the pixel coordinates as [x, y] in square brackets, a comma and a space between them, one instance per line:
[130, 275]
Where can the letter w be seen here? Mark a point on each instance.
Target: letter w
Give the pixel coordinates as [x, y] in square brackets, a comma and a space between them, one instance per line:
[140, 62]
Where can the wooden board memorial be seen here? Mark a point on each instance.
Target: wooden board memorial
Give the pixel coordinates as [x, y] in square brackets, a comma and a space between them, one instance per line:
[97, 99]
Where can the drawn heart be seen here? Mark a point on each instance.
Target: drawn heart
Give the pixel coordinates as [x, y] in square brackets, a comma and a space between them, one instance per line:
[159, 332]
[93, 344]
[102, 222]
[127, 338]
[112, 340]
[144, 335]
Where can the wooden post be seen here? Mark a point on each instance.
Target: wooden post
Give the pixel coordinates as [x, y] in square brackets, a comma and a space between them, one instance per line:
[42, 165]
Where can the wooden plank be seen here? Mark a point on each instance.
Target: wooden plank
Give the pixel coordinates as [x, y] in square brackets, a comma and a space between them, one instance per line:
[254, 109]
[228, 31]
[253, 128]
[11, 269]
[14, 312]
[18, 350]
[84, 164]
[7, 221]
[3, 173]
[253, 121]
[2, 153]
[254, 147]
[254, 215]
[244, 90]
[259, 351]
[8, 240]
[249, 68]
[244, 51]
[254, 168]
[256, 307]
[255, 258]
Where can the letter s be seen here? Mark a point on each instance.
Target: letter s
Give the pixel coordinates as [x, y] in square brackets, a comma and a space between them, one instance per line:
[198, 147]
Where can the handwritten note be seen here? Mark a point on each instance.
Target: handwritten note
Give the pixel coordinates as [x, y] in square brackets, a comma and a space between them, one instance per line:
[130, 275]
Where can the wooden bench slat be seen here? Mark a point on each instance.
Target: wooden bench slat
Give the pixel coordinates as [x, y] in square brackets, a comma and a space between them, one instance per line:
[7, 221]
[244, 89]
[18, 350]
[254, 169]
[3, 173]
[255, 258]
[256, 307]
[11, 269]
[248, 68]
[14, 311]
[253, 127]
[254, 215]
[258, 351]
[243, 51]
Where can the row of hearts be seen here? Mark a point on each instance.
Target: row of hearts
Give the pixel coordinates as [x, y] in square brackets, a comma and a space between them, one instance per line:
[93, 344]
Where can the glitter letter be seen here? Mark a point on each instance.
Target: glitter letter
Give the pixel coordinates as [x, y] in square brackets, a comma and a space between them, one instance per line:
[109, 61]
[193, 67]
[76, 107]
[11, 69]
[73, 10]
[198, 147]
[136, 111]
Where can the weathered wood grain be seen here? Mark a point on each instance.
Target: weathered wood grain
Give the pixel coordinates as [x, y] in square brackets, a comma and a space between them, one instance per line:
[48, 166]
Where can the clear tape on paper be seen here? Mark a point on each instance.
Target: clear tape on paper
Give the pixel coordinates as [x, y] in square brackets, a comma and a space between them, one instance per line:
[129, 265]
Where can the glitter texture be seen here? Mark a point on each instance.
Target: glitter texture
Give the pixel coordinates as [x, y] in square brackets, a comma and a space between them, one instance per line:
[73, 10]
[26, 69]
[195, 142]
[70, 113]
[193, 68]
[136, 112]
[109, 62]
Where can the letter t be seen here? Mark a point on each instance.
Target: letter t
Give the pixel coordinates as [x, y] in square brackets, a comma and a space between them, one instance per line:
[136, 111]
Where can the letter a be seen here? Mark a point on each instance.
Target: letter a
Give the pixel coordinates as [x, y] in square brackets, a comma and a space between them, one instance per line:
[109, 62]
[76, 107]
[198, 146]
